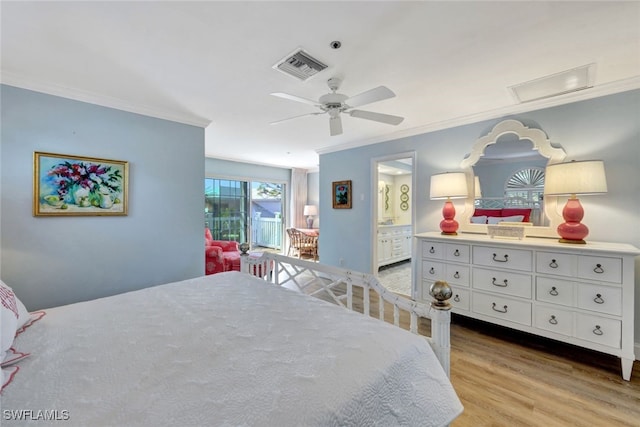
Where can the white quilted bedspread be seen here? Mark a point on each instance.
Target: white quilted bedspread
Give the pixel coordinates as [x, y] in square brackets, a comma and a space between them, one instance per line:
[226, 350]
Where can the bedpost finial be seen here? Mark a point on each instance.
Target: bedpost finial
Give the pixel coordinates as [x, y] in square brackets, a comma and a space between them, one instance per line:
[441, 292]
[244, 248]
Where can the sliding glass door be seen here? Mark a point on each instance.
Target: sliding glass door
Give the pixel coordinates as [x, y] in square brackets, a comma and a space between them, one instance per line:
[245, 211]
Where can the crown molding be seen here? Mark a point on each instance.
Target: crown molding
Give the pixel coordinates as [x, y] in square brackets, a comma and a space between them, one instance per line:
[48, 88]
[582, 95]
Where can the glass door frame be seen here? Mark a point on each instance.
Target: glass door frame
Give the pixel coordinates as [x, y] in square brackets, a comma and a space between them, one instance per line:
[247, 209]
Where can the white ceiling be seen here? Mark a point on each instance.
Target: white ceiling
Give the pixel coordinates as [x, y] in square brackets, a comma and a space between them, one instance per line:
[211, 62]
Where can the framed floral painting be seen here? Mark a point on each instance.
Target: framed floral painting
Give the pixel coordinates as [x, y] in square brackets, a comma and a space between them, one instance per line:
[342, 195]
[67, 185]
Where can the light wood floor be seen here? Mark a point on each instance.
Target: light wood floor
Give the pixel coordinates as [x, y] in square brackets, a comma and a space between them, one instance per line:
[507, 378]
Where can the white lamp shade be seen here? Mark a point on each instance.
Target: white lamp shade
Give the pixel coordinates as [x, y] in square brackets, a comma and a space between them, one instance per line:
[448, 185]
[310, 210]
[586, 177]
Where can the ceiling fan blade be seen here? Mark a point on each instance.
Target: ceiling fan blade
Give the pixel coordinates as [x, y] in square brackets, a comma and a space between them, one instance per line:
[377, 117]
[296, 98]
[335, 125]
[373, 95]
[295, 117]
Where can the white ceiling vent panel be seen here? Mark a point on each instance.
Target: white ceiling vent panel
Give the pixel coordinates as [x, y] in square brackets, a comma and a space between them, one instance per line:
[556, 84]
[299, 64]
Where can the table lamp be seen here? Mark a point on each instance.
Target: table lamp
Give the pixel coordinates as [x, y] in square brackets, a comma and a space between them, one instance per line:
[309, 212]
[448, 185]
[573, 178]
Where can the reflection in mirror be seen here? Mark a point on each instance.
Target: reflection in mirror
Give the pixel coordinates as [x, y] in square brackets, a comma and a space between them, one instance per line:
[510, 174]
[506, 169]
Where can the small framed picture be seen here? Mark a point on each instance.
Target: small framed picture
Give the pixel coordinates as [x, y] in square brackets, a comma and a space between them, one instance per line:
[342, 194]
[68, 185]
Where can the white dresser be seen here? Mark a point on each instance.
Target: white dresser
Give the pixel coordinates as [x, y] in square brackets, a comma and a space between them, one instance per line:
[394, 243]
[579, 294]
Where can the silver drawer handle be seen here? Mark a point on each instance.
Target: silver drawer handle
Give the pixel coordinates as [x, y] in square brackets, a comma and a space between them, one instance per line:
[553, 291]
[553, 264]
[432, 250]
[457, 275]
[504, 310]
[506, 258]
[553, 320]
[598, 299]
[598, 331]
[456, 298]
[505, 281]
[432, 271]
[456, 253]
[598, 269]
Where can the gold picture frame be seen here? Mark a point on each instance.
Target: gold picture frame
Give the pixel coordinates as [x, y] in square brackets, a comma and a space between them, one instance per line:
[69, 185]
[342, 194]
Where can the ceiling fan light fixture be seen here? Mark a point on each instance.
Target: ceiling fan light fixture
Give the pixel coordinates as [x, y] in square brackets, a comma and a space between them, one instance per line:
[335, 103]
[556, 84]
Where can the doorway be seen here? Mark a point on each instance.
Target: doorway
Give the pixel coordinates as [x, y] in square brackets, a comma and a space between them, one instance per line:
[393, 193]
[245, 211]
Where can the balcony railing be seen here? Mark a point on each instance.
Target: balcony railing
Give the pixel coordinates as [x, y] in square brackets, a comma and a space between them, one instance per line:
[266, 232]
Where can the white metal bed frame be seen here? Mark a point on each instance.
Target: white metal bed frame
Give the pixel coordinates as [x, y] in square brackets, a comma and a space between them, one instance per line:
[313, 278]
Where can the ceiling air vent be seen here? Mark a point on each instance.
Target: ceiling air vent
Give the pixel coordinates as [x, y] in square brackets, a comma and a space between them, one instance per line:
[556, 84]
[300, 65]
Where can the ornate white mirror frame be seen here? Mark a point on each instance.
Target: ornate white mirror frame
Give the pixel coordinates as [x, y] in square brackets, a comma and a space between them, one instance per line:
[540, 143]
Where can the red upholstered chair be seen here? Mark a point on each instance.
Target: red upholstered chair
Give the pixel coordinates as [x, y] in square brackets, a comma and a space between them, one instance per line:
[220, 255]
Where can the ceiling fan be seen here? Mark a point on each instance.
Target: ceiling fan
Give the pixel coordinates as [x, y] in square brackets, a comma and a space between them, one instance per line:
[335, 103]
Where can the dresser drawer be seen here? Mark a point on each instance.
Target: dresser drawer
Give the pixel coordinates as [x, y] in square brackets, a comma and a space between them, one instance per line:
[555, 291]
[599, 330]
[557, 264]
[600, 268]
[456, 252]
[554, 319]
[460, 298]
[433, 270]
[502, 308]
[433, 250]
[604, 299]
[516, 259]
[503, 282]
[457, 274]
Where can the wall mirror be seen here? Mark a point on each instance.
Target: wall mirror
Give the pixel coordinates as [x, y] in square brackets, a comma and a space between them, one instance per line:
[505, 173]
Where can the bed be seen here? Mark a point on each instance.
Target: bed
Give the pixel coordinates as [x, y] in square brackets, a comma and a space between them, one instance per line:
[227, 349]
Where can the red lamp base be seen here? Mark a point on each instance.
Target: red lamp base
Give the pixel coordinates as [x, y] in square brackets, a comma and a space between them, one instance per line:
[572, 230]
[448, 225]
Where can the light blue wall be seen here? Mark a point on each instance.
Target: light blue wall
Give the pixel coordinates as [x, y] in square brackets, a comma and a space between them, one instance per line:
[219, 168]
[606, 128]
[245, 171]
[57, 260]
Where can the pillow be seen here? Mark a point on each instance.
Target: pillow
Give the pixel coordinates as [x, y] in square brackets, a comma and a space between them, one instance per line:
[513, 218]
[8, 319]
[526, 212]
[488, 212]
[480, 219]
[13, 316]
[23, 314]
[497, 219]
